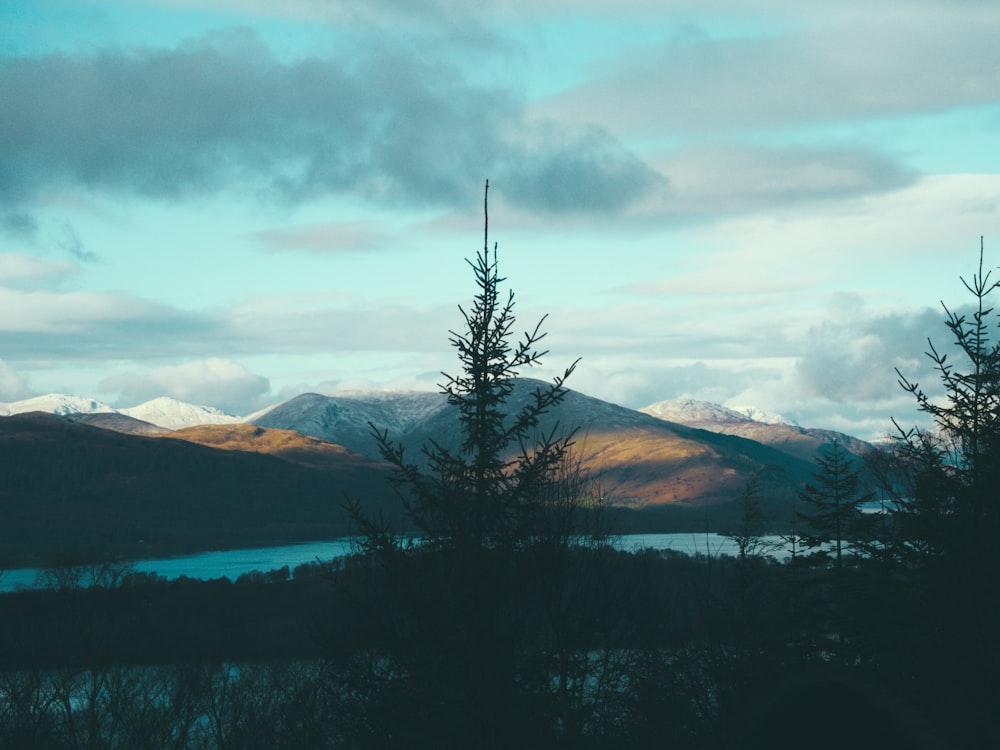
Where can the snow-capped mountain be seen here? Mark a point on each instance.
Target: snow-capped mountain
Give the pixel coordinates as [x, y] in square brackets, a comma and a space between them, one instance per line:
[758, 415]
[175, 415]
[164, 412]
[689, 411]
[345, 418]
[56, 403]
[704, 414]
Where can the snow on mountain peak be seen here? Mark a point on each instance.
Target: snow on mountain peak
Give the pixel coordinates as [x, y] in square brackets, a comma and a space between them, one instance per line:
[692, 412]
[174, 415]
[758, 415]
[56, 403]
[688, 411]
[164, 412]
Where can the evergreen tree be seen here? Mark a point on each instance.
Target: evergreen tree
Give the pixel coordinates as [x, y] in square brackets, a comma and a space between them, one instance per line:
[835, 495]
[488, 491]
[950, 505]
[466, 626]
[946, 519]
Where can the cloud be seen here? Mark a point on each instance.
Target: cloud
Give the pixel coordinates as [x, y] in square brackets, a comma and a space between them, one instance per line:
[896, 60]
[580, 173]
[70, 243]
[830, 367]
[322, 323]
[93, 325]
[17, 268]
[727, 178]
[349, 237]
[217, 382]
[854, 359]
[389, 123]
[13, 387]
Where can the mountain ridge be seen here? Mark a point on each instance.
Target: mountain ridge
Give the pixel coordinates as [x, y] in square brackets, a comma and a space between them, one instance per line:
[110, 482]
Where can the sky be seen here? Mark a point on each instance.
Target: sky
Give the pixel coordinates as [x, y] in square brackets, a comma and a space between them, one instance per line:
[231, 202]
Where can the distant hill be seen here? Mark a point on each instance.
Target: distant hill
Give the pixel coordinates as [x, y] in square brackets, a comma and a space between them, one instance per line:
[71, 491]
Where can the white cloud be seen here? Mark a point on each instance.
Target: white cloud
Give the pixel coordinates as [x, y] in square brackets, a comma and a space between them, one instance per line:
[217, 382]
[13, 387]
[19, 267]
[890, 61]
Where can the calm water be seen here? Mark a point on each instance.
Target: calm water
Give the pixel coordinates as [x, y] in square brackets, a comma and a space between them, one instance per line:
[232, 564]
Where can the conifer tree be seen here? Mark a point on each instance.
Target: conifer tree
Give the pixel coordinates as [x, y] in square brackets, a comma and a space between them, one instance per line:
[950, 507]
[946, 517]
[835, 496]
[486, 492]
[462, 640]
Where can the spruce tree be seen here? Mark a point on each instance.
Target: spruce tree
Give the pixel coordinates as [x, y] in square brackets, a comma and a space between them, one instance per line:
[946, 519]
[950, 507]
[835, 496]
[487, 491]
[462, 634]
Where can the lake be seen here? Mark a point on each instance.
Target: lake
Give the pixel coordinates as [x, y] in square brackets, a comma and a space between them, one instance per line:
[232, 564]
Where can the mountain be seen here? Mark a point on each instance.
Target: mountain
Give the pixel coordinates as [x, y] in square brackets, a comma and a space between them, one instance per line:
[346, 418]
[56, 403]
[163, 412]
[758, 415]
[72, 491]
[97, 482]
[637, 459]
[174, 415]
[777, 432]
[705, 414]
[119, 423]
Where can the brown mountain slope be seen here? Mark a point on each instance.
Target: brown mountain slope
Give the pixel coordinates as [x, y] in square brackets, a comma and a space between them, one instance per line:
[801, 442]
[651, 466]
[285, 444]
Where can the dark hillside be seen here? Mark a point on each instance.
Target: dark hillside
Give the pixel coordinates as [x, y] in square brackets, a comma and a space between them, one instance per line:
[69, 490]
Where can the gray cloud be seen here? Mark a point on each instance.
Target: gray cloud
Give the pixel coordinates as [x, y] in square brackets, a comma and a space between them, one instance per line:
[41, 324]
[885, 62]
[67, 240]
[94, 326]
[354, 236]
[589, 172]
[220, 111]
[723, 178]
[853, 359]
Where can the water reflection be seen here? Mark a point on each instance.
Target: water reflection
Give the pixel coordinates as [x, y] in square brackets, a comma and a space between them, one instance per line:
[232, 564]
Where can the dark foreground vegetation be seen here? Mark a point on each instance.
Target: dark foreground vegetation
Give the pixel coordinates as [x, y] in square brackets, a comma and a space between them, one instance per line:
[517, 623]
[647, 650]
